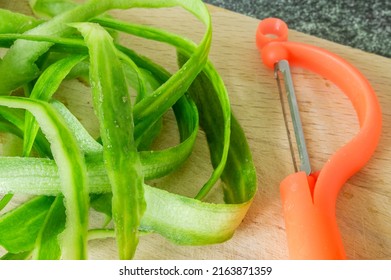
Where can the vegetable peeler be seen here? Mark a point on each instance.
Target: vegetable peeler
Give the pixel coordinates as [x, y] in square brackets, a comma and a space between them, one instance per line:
[309, 198]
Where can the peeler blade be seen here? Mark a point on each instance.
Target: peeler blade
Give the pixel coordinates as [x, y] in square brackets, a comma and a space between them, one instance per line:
[282, 67]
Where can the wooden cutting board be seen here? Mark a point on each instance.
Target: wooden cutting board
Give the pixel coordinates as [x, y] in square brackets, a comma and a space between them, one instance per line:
[364, 203]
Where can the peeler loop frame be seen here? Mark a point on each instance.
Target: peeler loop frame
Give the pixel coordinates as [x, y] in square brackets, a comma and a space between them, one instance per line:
[309, 201]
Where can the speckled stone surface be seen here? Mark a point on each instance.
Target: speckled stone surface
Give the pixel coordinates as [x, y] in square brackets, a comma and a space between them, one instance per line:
[362, 24]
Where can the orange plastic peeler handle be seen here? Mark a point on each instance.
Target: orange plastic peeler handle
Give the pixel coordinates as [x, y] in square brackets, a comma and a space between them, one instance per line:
[309, 201]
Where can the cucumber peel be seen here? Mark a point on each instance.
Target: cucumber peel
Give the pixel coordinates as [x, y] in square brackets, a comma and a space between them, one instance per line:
[67, 172]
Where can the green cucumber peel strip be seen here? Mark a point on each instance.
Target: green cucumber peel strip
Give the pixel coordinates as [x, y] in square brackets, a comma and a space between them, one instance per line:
[47, 84]
[50, 8]
[46, 246]
[4, 200]
[114, 110]
[27, 224]
[18, 256]
[72, 171]
[12, 22]
[239, 174]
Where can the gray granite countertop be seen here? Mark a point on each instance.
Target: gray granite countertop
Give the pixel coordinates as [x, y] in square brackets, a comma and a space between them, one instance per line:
[362, 24]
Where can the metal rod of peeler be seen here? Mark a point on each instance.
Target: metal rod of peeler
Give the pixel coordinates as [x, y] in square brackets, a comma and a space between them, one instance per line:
[283, 67]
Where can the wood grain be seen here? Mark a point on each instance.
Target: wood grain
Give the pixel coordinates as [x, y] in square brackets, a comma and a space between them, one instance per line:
[364, 203]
